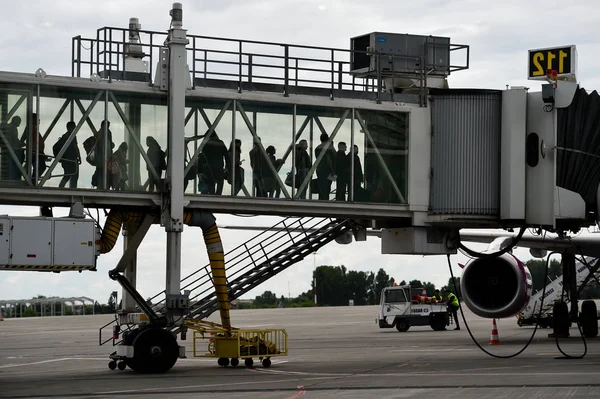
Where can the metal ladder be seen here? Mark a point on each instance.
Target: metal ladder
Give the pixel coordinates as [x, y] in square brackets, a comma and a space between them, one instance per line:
[254, 262]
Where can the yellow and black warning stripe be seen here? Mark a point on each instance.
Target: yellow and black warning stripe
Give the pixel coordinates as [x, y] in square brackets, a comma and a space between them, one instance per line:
[46, 267]
[212, 239]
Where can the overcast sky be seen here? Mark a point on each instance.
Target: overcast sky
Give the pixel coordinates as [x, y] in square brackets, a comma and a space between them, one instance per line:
[36, 34]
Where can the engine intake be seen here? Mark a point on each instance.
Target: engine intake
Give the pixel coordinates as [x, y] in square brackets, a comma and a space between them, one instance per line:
[497, 287]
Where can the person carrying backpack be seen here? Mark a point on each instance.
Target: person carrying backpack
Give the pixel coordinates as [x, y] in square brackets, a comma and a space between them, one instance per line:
[71, 158]
[158, 161]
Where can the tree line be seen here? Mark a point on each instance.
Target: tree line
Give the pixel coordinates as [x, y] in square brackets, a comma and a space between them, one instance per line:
[336, 286]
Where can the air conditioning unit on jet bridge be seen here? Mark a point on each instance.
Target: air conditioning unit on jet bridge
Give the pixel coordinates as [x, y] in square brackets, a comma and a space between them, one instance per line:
[403, 56]
[48, 243]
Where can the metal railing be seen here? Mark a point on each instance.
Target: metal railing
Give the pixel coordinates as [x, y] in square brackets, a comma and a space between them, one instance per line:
[254, 65]
[248, 256]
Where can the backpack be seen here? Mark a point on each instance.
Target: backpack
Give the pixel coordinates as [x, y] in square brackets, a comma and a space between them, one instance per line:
[163, 161]
[59, 144]
[88, 146]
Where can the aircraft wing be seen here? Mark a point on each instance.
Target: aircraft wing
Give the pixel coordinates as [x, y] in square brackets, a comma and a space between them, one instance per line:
[584, 245]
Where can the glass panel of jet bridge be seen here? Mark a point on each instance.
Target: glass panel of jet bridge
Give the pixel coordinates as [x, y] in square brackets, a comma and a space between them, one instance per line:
[314, 130]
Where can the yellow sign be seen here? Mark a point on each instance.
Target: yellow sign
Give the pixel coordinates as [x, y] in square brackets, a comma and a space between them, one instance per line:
[563, 60]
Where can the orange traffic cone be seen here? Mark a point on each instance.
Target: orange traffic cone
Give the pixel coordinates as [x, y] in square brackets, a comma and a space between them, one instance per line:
[424, 296]
[494, 340]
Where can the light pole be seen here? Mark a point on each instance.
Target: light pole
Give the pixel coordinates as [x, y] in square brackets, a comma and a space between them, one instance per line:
[315, 276]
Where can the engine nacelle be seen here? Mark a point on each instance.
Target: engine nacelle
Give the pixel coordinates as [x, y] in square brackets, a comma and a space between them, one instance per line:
[497, 287]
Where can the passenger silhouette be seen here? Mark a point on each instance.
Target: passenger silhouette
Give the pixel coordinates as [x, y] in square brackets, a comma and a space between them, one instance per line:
[99, 158]
[71, 158]
[118, 168]
[211, 165]
[35, 142]
[234, 153]
[359, 191]
[272, 187]
[259, 166]
[342, 168]
[302, 164]
[325, 168]
[157, 159]
[12, 140]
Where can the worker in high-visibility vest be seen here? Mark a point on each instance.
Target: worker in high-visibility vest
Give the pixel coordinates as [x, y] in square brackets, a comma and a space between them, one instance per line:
[453, 306]
[437, 297]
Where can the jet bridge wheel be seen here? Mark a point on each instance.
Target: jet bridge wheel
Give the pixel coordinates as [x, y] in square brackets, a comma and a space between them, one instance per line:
[154, 351]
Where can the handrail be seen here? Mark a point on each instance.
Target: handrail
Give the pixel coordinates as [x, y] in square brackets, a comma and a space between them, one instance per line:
[235, 258]
[235, 60]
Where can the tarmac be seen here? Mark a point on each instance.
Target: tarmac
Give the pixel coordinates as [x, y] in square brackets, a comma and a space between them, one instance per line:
[334, 352]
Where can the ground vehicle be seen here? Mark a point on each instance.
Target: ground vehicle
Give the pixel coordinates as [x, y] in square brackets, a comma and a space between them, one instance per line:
[402, 308]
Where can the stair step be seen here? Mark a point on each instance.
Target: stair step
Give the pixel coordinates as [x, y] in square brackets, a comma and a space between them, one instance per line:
[296, 250]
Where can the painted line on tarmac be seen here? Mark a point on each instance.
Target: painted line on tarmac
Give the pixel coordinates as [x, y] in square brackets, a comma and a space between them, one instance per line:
[433, 350]
[423, 374]
[208, 386]
[65, 359]
[7, 366]
[558, 354]
[62, 359]
[495, 368]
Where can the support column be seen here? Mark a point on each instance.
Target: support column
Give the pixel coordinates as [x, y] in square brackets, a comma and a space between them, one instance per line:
[570, 283]
[128, 303]
[134, 114]
[173, 217]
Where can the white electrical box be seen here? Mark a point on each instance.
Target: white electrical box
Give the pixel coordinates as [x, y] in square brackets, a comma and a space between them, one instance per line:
[74, 243]
[48, 244]
[4, 240]
[31, 242]
[415, 241]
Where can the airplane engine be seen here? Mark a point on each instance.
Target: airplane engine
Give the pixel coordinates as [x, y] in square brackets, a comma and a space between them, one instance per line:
[496, 287]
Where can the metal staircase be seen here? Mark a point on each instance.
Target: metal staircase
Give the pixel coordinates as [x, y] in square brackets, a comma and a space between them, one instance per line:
[554, 289]
[254, 262]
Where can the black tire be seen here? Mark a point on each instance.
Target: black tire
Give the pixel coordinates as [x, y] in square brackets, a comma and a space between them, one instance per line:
[112, 365]
[235, 361]
[122, 365]
[561, 323]
[248, 362]
[155, 351]
[589, 319]
[437, 322]
[402, 325]
[266, 362]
